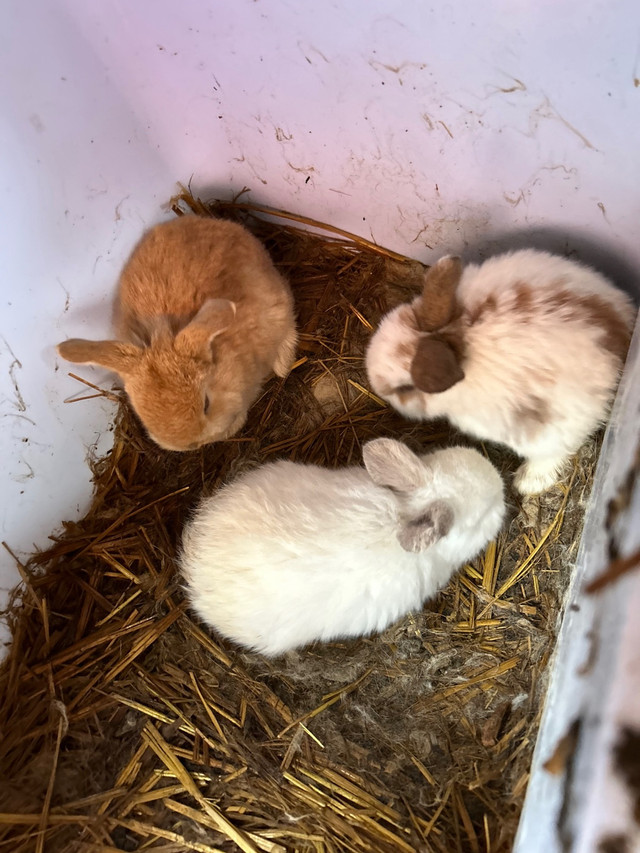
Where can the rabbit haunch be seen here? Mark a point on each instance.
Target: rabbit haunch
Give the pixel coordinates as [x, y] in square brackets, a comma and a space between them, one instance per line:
[525, 349]
[289, 554]
[204, 319]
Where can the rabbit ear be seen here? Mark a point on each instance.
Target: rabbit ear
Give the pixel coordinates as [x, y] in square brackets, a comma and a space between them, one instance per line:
[215, 316]
[436, 307]
[391, 464]
[116, 356]
[435, 366]
[426, 529]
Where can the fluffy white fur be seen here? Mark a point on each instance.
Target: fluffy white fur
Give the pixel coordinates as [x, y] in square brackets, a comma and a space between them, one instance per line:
[289, 553]
[516, 361]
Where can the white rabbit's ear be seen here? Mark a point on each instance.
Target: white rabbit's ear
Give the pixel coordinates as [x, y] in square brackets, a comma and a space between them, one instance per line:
[215, 316]
[390, 463]
[426, 529]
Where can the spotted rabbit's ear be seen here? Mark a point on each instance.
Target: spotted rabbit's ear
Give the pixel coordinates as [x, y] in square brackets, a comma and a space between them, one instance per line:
[437, 304]
[114, 355]
[423, 531]
[392, 464]
[436, 365]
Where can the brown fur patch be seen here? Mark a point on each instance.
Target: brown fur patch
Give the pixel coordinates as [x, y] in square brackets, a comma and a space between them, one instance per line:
[531, 415]
[595, 311]
[487, 306]
[405, 352]
[562, 300]
[383, 387]
[523, 298]
[404, 394]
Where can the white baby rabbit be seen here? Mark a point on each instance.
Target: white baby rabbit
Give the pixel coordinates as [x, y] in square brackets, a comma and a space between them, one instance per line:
[525, 349]
[289, 553]
[204, 318]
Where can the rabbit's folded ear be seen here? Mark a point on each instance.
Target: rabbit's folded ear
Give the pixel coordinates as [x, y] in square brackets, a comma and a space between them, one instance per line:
[390, 463]
[215, 316]
[114, 355]
[426, 529]
[435, 366]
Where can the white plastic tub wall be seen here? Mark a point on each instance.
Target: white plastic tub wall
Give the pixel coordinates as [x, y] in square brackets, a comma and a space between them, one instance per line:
[431, 128]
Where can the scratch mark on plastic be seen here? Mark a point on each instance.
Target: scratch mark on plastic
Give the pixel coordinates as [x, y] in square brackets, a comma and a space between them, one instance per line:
[118, 206]
[546, 110]
[22, 417]
[514, 201]
[304, 169]
[23, 478]
[16, 364]
[67, 301]
[311, 49]
[396, 69]
[282, 136]
[518, 86]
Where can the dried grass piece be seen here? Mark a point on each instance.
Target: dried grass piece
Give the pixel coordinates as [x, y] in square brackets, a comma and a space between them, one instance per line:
[327, 701]
[204, 820]
[163, 750]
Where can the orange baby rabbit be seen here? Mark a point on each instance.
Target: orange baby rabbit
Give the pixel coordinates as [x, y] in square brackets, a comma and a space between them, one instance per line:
[203, 318]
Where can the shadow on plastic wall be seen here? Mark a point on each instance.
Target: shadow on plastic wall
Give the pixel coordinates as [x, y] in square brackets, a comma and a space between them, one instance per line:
[574, 244]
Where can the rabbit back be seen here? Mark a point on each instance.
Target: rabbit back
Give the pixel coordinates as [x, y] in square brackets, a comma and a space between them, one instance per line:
[178, 265]
[291, 553]
[295, 554]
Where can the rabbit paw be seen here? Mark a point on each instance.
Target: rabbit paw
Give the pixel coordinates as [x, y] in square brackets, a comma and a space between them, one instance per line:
[286, 355]
[538, 475]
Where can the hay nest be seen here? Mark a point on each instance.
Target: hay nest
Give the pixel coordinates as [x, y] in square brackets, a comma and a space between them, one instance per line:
[126, 726]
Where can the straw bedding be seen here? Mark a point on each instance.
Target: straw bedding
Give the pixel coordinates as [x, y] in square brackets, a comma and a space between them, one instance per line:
[127, 726]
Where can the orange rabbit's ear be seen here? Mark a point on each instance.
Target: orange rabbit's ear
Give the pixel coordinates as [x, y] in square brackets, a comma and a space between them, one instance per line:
[116, 356]
[215, 316]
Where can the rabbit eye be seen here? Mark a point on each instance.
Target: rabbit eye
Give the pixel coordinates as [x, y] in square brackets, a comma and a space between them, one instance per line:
[402, 389]
[207, 403]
